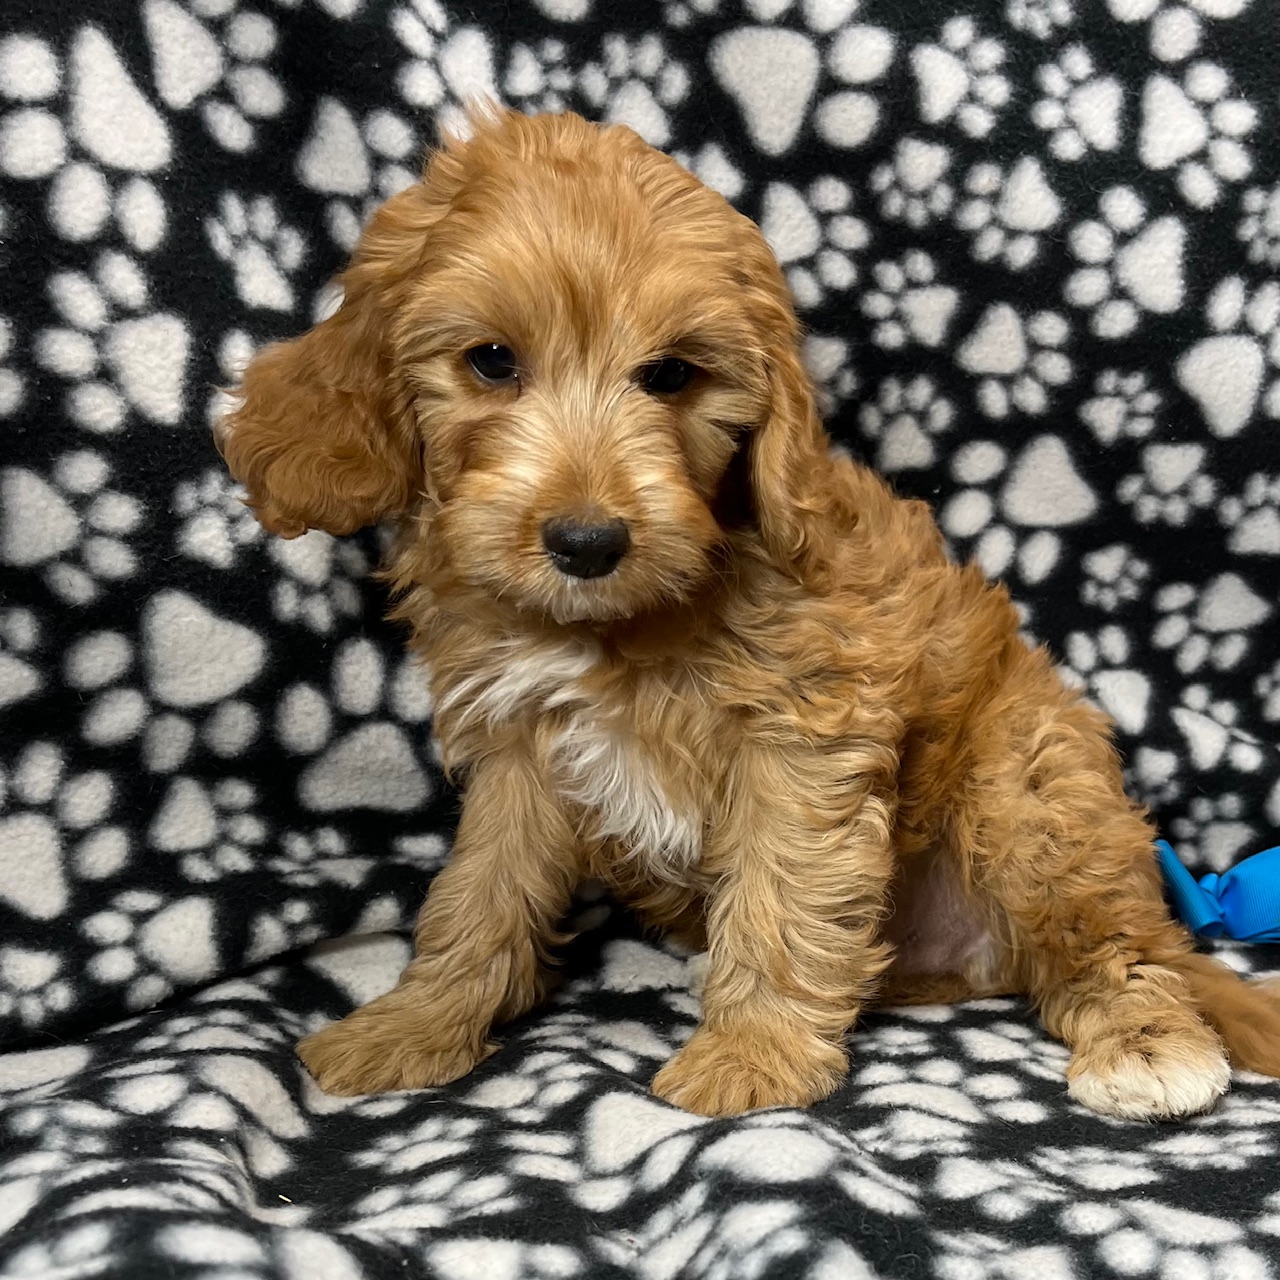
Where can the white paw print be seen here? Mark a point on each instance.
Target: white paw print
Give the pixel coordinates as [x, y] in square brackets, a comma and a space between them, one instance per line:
[1253, 516]
[971, 517]
[1123, 406]
[30, 988]
[1259, 229]
[121, 693]
[1016, 359]
[907, 304]
[261, 250]
[115, 127]
[1081, 110]
[209, 827]
[146, 944]
[73, 528]
[814, 239]
[70, 1252]
[1212, 833]
[447, 66]
[1267, 687]
[684, 13]
[1114, 577]
[904, 419]
[912, 187]
[1154, 776]
[319, 586]
[1197, 128]
[1041, 19]
[46, 811]
[1176, 29]
[215, 521]
[107, 329]
[829, 360]
[1007, 213]
[322, 856]
[538, 77]
[1214, 739]
[1216, 631]
[1171, 487]
[1098, 664]
[367, 760]
[1129, 266]
[12, 386]
[712, 165]
[19, 641]
[960, 78]
[636, 82]
[212, 55]
[1236, 370]
[357, 162]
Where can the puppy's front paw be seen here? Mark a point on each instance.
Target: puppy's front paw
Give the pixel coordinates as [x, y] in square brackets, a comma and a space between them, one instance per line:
[721, 1073]
[1151, 1077]
[363, 1054]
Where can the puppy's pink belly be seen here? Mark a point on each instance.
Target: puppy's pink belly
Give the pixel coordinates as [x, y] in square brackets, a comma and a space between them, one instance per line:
[933, 926]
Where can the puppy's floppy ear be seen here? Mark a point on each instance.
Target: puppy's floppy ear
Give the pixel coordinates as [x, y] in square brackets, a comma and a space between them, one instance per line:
[323, 434]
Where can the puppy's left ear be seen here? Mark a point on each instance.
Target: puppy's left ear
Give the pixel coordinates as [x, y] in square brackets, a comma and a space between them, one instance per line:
[789, 459]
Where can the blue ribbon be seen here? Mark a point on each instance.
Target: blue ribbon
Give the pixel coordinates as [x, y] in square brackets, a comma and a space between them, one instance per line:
[1243, 903]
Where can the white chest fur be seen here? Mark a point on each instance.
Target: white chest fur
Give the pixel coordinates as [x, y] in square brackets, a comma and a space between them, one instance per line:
[599, 763]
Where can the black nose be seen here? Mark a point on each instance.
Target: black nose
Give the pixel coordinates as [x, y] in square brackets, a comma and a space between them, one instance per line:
[586, 550]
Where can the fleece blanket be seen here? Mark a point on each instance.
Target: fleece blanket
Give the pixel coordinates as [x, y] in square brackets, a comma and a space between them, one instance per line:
[1037, 247]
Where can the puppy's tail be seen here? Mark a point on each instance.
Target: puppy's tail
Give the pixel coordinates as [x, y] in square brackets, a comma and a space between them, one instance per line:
[1245, 1014]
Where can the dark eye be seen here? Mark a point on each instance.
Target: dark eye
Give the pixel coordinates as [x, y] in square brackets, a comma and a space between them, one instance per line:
[666, 377]
[493, 362]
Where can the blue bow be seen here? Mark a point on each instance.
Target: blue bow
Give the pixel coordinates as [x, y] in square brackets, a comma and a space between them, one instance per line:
[1243, 903]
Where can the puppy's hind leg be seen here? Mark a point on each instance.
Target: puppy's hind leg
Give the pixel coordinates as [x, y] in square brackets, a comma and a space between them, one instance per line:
[1070, 862]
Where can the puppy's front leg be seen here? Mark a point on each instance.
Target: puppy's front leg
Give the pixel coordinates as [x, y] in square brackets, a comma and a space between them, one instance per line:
[803, 864]
[480, 942]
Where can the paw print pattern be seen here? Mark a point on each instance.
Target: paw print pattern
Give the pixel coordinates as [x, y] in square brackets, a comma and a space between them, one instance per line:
[1253, 516]
[907, 304]
[1236, 371]
[1197, 129]
[160, 700]
[1040, 19]
[1171, 487]
[538, 77]
[261, 251]
[1098, 664]
[211, 55]
[363, 762]
[1212, 831]
[211, 829]
[30, 986]
[1259, 229]
[108, 329]
[959, 78]
[1129, 265]
[829, 361]
[1123, 406]
[319, 585]
[447, 66]
[775, 76]
[72, 527]
[1008, 213]
[54, 823]
[1016, 359]
[12, 387]
[912, 187]
[1115, 577]
[146, 945]
[1039, 491]
[1217, 630]
[19, 643]
[904, 420]
[1267, 687]
[215, 521]
[1081, 110]
[814, 239]
[636, 83]
[114, 129]
[1175, 30]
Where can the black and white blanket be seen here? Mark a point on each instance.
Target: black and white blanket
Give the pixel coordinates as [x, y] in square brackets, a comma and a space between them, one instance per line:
[1037, 243]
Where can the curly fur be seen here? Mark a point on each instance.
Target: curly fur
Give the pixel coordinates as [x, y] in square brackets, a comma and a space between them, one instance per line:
[785, 727]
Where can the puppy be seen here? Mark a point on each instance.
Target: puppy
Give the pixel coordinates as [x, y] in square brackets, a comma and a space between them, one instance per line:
[676, 643]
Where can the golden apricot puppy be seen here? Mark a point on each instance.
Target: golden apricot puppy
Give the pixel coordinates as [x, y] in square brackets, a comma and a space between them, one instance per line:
[678, 644]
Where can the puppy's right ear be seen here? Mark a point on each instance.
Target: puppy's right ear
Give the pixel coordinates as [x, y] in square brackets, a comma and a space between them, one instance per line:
[323, 433]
